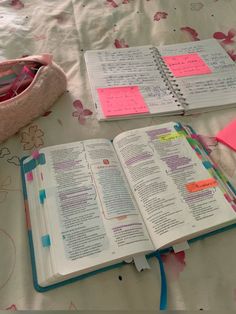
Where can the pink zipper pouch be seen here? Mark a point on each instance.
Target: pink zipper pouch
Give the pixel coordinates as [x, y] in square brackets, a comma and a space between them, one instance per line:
[28, 88]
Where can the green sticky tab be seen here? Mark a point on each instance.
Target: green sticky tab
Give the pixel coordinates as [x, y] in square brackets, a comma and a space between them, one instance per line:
[41, 159]
[219, 174]
[232, 187]
[46, 242]
[192, 141]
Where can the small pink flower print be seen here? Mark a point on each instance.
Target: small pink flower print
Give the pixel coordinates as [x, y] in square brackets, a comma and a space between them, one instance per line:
[207, 141]
[12, 308]
[80, 112]
[174, 263]
[120, 43]
[196, 6]
[33, 138]
[112, 3]
[61, 18]
[226, 39]
[17, 4]
[232, 54]
[125, 2]
[191, 32]
[160, 15]
[47, 113]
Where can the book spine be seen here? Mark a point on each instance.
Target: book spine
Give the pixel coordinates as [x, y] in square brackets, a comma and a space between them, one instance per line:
[168, 78]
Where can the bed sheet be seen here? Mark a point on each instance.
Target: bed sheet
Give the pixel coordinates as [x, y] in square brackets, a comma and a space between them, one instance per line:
[203, 277]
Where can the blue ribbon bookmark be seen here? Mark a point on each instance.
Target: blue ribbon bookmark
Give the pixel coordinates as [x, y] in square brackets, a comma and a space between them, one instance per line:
[163, 296]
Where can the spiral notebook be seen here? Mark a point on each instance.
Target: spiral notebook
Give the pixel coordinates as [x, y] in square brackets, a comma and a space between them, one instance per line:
[175, 79]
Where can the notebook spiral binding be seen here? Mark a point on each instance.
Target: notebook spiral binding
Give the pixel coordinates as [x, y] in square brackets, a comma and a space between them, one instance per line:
[168, 78]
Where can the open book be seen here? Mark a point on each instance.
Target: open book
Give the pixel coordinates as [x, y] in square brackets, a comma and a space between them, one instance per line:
[95, 203]
[174, 79]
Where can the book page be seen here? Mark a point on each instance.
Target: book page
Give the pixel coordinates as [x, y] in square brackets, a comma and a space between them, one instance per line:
[130, 67]
[214, 89]
[91, 214]
[159, 164]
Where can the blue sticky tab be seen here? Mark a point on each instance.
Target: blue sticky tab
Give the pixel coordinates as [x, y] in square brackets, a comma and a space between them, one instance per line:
[42, 196]
[178, 127]
[29, 166]
[46, 240]
[207, 164]
[32, 164]
[41, 159]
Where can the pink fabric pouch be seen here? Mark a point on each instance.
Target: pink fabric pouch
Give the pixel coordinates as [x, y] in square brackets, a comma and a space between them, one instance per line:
[35, 83]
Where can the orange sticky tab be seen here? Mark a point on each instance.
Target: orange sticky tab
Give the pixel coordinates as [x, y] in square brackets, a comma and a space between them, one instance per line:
[186, 65]
[201, 185]
[119, 101]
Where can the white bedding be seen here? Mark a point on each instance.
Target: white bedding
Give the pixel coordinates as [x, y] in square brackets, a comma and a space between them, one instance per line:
[202, 277]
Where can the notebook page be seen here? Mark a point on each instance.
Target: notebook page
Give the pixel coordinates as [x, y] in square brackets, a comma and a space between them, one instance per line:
[208, 90]
[215, 90]
[130, 67]
[209, 50]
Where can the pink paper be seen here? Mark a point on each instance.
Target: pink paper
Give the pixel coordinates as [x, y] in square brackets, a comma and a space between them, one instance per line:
[227, 136]
[186, 65]
[119, 101]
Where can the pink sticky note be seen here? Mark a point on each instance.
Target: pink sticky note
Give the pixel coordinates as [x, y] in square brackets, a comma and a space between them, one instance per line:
[119, 101]
[227, 135]
[186, 65]
[29, 176]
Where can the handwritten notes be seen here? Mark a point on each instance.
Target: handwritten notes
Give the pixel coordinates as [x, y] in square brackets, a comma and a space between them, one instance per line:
[227, 136]
[120, 101]
[201, 185]
[186, 65]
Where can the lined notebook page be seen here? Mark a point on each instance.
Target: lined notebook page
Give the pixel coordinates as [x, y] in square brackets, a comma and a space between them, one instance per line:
[204, 91]
[130, 67]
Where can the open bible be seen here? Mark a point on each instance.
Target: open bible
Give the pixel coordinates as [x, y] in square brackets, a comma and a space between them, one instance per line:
[182, 78]
[95, 203]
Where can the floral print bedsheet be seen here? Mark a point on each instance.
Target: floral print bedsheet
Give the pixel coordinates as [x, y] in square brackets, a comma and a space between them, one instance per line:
[201, 278]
